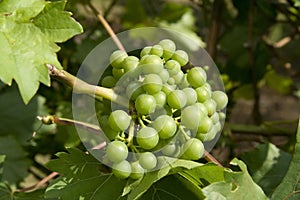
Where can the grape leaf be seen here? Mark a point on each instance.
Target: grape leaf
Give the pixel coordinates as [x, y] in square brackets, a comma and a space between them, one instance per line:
[2, 158]
[290, 185]
[267, 166]
[5, 191]
[237, 185]
[15, 167]
[172, 187]
[82, 178]
[137, 190]
[28, 34]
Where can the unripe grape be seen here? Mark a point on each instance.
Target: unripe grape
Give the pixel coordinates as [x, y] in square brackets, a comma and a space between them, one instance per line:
[220, 98]
[178, 77]
[116, 58]
[181, 57]
[137, 171]
[151, 64]
[196, 77]
[152, 83]
[119, 120]
[108, 81]
[215, 118]
[130, 63]
[169, 150]
[145, 51]
[108, 131]
[165, 126]
[191, 95]
[160, 98]
[169, 48]
[167, 89]
[210, 106]
[193, 149]
[147, 137]
[173, 67]
[205, 125]
[203, 94]
[156, 50]
[147, 160]
[145, 104]
[117, 73]
[177, 99]
[122, 169]
[191, 117]
[134, 89]
[164, 75]
[116, 151]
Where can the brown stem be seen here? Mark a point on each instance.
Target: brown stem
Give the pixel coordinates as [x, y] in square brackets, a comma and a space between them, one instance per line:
[210, 158]
[106, 26]
[39, 184]
[256, 107]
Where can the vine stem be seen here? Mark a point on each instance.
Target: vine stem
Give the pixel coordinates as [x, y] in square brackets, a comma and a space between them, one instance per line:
[81, 87]
[40, 183]
[210, 158]
[106, 26]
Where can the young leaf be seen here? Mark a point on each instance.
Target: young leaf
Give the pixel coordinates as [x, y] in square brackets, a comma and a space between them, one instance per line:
[28, 33]
[237, 185]
[82, 178]
[267, 166]
[289, 187]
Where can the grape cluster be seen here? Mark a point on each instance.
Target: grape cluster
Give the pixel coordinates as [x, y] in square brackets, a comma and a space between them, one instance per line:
[172, 109]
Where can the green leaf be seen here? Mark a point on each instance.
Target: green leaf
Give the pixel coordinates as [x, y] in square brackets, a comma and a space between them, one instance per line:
[27, 41]
[290, 185]
[2, 158]
[82, 178]
[173, 165]
[15, 167]
[267, 166]
[173, 187]
[278, 82]
[237, 185]
[5, 191]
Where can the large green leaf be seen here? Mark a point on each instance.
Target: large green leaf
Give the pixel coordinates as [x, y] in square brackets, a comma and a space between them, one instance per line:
[267, 166]
[15, 167]
[81, 178]
[28, 33]
[290, 185]
[173, 165]
[237, 185]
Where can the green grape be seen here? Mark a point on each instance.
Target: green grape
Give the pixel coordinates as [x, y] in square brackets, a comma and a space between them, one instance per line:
[161, 110]
[117, 58]
[130, 63]
[117, 73]
[177, 99]
[165, 126]
[169, 48]
[203, 108]
[137, 171]
[173, 67]
[108, 81]
[205, 125]
[152, 83]
[191, 117]
[164, 75]
[222, 116]
[171, 81]
[209, 136]
[169, 150]
[220, 98]
[145, 104]
[147, 137]
[147, 160]
[181, 57]
[178, 77]
[110, 134]
[184, 82]
[116, 151]
[122, 169]
[157, 50]
[134, 89]
[202, 94]
[145, 51]
[193, 149]
[211, 106]
[191, 96]
[196, 77]
[160, 98]
[119, 120]
[151, 64]
[215, 118]
[167, 89]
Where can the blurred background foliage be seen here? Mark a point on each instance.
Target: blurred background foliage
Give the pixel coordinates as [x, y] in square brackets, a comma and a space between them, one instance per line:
[255, 45]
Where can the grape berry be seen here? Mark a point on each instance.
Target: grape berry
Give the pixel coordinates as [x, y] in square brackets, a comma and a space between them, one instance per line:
[171, 111]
